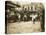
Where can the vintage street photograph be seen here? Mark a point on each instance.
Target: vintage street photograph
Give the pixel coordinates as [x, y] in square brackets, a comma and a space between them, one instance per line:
[24, 17]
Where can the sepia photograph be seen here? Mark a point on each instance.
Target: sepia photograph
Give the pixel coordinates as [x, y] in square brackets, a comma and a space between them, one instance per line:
[24, 17]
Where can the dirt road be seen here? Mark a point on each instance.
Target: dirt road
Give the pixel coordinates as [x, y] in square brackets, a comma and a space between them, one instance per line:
[23, 27]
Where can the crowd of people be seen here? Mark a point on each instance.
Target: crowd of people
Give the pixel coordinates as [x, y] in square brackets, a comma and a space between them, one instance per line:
[15, 14]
